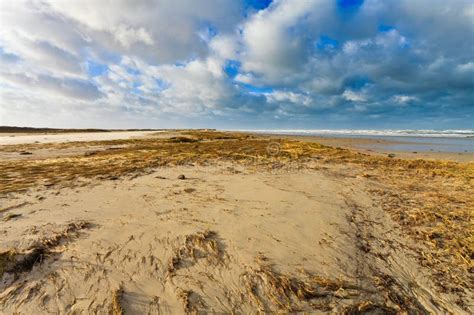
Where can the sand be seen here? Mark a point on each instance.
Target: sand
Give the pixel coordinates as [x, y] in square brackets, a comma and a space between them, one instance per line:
[229, 238]
[378, 147]
[22, 138]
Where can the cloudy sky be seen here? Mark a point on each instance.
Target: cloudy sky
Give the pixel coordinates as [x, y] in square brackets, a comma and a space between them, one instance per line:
[227, 64]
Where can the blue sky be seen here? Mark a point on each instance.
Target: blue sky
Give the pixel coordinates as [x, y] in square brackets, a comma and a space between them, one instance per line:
[292, 64]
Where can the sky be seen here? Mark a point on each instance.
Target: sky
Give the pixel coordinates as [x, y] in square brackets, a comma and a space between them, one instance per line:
[229, 64]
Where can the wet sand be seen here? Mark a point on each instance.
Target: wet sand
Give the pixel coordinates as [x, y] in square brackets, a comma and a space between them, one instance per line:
[380, 147]
[310, 235]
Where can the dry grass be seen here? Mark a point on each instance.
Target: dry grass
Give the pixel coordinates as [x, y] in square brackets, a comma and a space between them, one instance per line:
[182, 140]
[10, 216]
[15, 262]
[368, 307]
[116, 304]
[433, 200]
[13, 207]
[191, 301]
[137, 156]
[272, 291]
[216, 135]
[201, 245]
[6, 259]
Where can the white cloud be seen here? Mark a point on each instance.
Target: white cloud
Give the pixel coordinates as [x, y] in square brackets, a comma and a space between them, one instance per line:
[158, 31]
[69, 88]
[225, 46]
[127, 35]
[272, 45]
[466, 67]
[404, 99]
[168, 58]
[246, 78]
[295, 98]
[354, 96]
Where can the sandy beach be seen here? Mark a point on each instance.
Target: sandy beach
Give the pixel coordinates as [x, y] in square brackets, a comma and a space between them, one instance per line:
[382, 147]
[236, 157]
[214, 222]
[25, 138]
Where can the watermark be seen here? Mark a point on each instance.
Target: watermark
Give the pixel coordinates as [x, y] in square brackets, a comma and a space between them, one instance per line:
[273, 148]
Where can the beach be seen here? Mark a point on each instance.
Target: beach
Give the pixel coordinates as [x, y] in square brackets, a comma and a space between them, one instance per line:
[227, 222]
[383, 147]
[450, 145]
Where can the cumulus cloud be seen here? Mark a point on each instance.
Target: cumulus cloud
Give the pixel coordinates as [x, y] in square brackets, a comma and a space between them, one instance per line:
[295, 98]
[404, 99]
[354, 96]
[69, 88]
[274, 41]
[292, 63]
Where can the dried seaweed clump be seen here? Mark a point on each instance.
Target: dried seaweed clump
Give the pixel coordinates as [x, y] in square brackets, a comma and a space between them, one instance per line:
[6, 259]
[196, 246]
[272, 291]
[368, 307]
[15, 262]
[116, 304]
[191, 301]
[216, 135]
[182, 140]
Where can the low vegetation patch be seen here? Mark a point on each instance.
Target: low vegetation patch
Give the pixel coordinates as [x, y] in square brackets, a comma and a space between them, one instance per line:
[16, 262]
[201, 245]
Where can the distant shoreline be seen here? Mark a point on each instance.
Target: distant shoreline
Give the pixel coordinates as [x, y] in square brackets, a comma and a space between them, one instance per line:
[13, 129]
[374, 145]
[356, 133]
[464, 133]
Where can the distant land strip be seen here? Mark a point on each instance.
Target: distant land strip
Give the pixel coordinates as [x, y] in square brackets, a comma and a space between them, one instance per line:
[13, 129]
